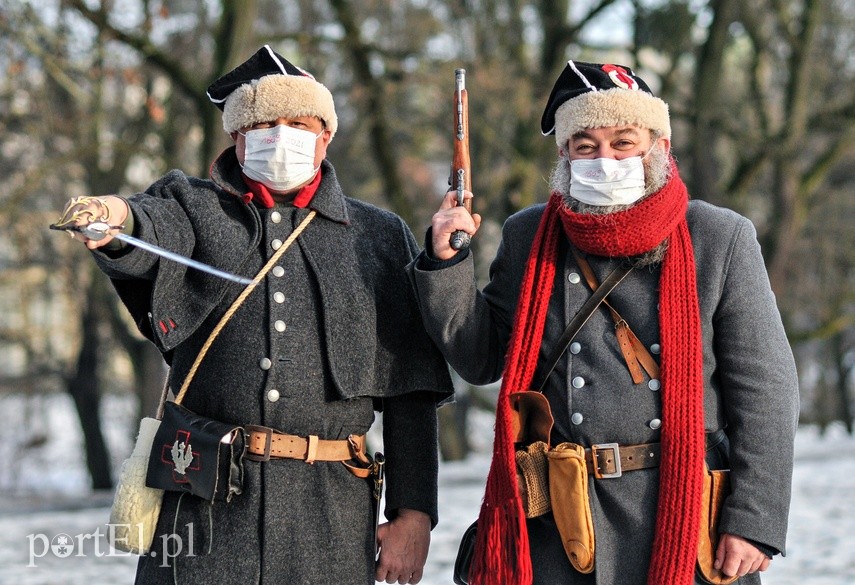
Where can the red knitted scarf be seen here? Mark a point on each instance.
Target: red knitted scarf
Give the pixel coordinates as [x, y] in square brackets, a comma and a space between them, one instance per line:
[501, 552]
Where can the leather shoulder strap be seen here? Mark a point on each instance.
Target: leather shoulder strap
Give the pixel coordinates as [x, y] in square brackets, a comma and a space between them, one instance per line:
[634, 353]
[581, 317]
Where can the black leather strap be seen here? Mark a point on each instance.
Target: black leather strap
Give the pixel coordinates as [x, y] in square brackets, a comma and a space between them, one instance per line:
[611, 281]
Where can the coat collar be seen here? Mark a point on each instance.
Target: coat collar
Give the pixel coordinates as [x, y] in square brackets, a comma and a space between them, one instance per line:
[328, 200]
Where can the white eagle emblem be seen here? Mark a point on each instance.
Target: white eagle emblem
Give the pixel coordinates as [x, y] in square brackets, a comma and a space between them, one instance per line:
[182, 456]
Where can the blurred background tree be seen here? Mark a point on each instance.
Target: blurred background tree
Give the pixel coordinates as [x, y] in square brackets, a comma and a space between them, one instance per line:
[104, 97]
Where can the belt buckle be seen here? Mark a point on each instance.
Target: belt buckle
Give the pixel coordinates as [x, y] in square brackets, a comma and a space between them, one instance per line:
[268, 443]
[595, 449]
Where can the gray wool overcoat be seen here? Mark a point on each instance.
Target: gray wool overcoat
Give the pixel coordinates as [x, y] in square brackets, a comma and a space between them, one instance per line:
[332, 334]
[750, 382]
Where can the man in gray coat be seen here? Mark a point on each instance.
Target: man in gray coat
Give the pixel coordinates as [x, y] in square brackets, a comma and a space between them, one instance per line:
[688, 362]
[330, 335]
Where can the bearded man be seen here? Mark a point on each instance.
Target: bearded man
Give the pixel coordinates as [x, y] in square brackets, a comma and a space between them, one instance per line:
[687, 361]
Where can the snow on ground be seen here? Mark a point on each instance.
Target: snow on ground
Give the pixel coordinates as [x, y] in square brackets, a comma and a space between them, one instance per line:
[44, 481]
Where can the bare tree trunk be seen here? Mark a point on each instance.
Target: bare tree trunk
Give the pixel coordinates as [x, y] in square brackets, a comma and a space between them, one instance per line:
[790, 204]
[85, 388]
[375, 111]
[452, 431]
[841, 387]
[822, 400]
[710, 68]
[232, 40]
[453, 427]
[787, 217]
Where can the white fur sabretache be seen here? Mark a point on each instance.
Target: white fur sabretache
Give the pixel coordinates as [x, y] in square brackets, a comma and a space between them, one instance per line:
[136, 508]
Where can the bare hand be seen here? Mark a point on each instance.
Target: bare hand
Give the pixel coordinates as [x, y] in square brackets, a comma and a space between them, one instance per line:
[737, 556]
[448, 220]
[404, 544]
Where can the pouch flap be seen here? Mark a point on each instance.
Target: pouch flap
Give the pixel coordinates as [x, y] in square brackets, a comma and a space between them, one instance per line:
[531, 417]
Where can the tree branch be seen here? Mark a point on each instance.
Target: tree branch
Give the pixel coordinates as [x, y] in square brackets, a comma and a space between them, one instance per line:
[384, 153]
[187, 81]
[824, 330]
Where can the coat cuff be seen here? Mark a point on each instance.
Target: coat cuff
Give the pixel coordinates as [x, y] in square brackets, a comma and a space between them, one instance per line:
[427, 262]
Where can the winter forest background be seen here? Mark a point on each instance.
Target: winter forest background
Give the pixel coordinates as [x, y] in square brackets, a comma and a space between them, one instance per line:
[104, 97]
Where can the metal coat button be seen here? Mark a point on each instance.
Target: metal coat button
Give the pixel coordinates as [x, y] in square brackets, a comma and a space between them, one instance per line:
[276, 244]
[655, 424]
[655, 348]
[578, 382]
[577, 418]
[279, 297]
[654, 384]
[273, 395]
[574, 278]
[275, 217]
[265, 363]
[278, 271]
[280, 326]
[575, 347]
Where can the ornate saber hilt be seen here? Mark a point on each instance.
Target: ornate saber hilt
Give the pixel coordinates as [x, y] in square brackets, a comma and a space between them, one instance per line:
[79, 217]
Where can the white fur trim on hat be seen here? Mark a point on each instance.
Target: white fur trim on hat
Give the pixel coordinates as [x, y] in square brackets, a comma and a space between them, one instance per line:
[611, 107]
[278, 96]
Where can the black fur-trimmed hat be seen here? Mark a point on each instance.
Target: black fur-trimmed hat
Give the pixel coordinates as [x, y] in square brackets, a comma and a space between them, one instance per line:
[265, 87]
[595, 95]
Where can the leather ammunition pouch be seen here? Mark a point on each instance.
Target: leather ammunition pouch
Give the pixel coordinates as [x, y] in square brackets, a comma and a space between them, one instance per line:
[197, 455]
[555, 479]
[716, 489]
[571, 508]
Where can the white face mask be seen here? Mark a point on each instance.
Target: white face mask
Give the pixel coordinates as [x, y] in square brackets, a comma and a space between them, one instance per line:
[280, 158]
[606, 181]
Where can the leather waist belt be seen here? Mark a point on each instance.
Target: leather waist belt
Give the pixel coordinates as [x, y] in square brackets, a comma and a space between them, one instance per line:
[609, 460]
[263, 444]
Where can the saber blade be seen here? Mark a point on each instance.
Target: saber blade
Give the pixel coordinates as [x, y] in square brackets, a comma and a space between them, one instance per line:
[181, 259]
[98, 230]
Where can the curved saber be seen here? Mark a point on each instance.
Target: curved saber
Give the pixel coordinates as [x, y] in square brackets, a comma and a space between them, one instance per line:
[98, 230]
[181, 259]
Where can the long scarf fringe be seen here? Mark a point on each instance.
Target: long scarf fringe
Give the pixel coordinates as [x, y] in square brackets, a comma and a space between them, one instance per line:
[501, 548]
